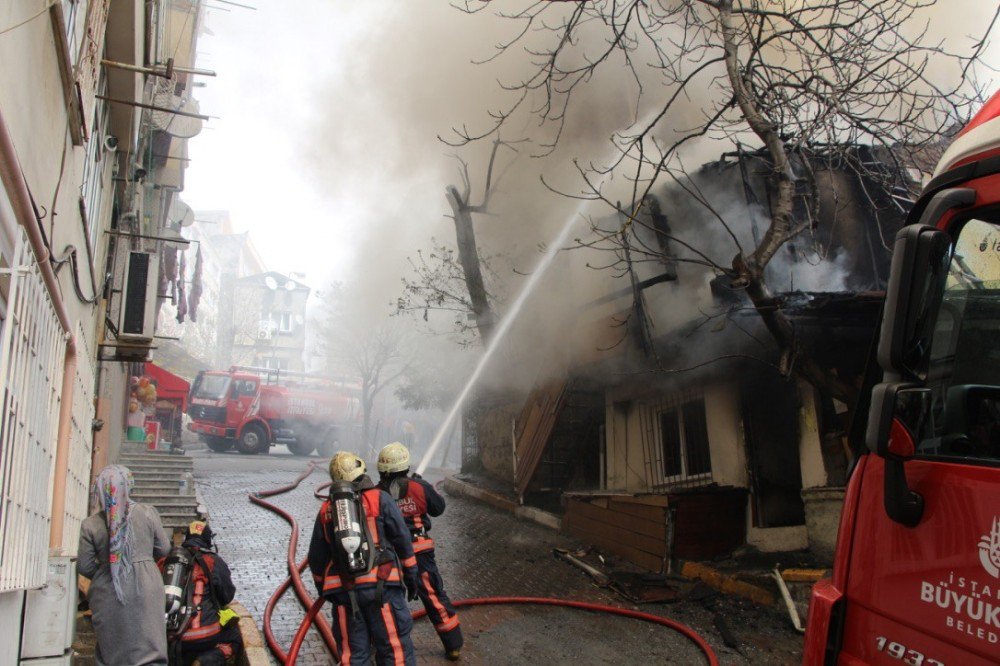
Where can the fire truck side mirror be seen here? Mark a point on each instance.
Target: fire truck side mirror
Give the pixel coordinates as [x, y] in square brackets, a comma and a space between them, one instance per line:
[920, 261]
[898, 421]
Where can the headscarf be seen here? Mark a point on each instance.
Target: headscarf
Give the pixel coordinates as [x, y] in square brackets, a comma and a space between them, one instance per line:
[111, 495]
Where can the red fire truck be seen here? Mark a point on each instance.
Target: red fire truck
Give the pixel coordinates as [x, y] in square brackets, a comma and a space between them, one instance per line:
[916, 578]
[255, 408]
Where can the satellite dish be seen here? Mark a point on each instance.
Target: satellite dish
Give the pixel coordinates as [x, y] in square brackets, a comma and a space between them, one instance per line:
[167, 97]
[180, 213]
[290, 285]
[271, 282]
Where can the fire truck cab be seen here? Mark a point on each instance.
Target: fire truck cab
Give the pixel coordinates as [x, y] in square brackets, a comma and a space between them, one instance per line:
[253, 409]
[916, 577]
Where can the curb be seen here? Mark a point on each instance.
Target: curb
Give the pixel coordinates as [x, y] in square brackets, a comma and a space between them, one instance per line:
[462, 488]
[255, 651]
[726, 583]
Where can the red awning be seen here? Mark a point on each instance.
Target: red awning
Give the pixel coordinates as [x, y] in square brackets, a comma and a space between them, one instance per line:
[168, 385]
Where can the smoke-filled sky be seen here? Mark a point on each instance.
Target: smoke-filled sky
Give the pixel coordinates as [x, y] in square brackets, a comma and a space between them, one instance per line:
[326, 147]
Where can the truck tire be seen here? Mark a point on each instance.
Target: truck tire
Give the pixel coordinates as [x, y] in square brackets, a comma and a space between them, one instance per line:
[219, 444]
[300, 447]
[328, 443]
[253, 440]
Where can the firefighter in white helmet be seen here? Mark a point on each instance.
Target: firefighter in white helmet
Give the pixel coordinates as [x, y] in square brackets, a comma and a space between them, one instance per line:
[361, 557]
[418, 502]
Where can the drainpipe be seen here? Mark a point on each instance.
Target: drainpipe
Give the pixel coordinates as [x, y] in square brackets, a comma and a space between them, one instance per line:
[20, 199]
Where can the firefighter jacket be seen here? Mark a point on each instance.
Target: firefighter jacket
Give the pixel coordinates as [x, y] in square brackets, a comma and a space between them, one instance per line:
[418, 504]
[211, 589]
[389, 533]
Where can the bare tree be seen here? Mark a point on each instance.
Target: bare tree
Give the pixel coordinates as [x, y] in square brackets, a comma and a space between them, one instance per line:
[369, 348]
[802, 83]
[458, 281]
[438, 283]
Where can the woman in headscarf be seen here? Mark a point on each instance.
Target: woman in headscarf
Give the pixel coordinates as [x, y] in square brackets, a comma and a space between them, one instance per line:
[119, 546]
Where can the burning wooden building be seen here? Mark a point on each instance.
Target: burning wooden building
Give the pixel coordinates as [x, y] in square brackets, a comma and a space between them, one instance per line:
[686, 432]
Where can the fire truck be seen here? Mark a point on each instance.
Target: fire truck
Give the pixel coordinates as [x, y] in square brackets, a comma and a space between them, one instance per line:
[255, 408]
[916, 576]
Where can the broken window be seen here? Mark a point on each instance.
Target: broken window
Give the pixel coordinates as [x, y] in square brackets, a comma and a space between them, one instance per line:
[684, 442]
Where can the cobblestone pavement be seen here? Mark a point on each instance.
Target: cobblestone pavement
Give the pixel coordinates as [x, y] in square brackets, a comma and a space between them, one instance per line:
[481, 552]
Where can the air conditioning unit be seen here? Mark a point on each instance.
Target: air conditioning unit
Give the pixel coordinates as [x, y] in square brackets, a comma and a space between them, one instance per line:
[264, 334]
[139, 298]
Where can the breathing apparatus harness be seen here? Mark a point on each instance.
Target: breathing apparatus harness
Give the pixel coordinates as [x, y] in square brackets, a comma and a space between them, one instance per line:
[398, 487]
[178, 586]
[355, 551]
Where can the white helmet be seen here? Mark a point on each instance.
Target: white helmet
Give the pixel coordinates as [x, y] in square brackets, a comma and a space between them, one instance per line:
[345, 466]
[393, 458]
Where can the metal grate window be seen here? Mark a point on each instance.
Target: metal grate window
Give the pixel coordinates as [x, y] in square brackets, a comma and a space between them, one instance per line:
[81, 441]
[675, 443]
[32, 357]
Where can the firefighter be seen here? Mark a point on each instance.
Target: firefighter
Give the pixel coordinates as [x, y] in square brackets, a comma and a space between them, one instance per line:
[359, 528]
[211, 634]
[418, 501]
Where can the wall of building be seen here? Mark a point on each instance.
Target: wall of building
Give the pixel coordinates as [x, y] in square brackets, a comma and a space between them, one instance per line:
[627, 426]
[495, 438]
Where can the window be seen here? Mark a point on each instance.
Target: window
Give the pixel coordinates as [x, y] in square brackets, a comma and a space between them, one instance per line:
[284, 320]
[74, 14]
[963, 372]
[95, 170]
[684, 442]
[244, 387]
[276, 363]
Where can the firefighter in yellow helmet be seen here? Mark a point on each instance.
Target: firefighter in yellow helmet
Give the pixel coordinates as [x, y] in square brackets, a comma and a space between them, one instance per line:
[361, 558]
[418, 501]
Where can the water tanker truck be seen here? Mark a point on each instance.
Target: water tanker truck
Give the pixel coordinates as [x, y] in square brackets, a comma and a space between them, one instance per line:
[252, 409]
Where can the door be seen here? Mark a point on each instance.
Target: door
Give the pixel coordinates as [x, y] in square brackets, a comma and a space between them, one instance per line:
[242, 396]
[930, 594]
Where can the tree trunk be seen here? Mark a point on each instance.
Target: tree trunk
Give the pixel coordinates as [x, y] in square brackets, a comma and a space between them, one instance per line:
[468, 257]
[783, 332]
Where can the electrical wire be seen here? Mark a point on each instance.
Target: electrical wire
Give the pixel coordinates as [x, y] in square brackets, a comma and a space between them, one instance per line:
[26, 21]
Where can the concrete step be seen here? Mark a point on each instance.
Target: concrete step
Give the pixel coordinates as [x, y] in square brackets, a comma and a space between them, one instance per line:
[154, 457]
[171, 523]
[158, 464]
[154, 475]
[165, 487]
[159, 500]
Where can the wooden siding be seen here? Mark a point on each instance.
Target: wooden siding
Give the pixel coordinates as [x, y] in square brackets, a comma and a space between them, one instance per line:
[707, 523]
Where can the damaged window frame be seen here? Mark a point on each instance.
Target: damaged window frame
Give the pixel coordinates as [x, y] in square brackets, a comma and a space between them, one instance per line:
[681, 412]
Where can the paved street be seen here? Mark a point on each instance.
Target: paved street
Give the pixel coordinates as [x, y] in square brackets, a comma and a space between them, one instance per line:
[482, 552]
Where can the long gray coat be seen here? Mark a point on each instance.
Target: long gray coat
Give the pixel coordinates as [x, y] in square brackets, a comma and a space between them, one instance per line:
[133, 633]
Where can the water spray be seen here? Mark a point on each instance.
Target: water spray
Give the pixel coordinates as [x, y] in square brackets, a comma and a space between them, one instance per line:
[500, 333]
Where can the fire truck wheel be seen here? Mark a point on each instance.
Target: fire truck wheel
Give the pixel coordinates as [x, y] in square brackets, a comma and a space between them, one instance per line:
[219, 444]
[300, 448]
[329, 443]
[253, 440]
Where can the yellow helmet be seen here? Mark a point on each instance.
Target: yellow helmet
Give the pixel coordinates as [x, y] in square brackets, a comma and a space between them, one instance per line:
[345, 466]
[393, 458]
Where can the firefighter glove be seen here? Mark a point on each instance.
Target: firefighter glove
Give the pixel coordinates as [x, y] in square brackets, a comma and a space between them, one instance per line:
[412, 581]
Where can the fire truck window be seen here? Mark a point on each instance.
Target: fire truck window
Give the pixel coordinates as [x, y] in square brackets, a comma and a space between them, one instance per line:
[244, 387]
[212, 387]
[964, 370]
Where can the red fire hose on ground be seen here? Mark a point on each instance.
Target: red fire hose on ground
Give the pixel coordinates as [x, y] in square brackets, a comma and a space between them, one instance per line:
[313, 606]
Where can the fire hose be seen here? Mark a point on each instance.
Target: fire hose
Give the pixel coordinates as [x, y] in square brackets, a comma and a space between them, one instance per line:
[313, 606]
